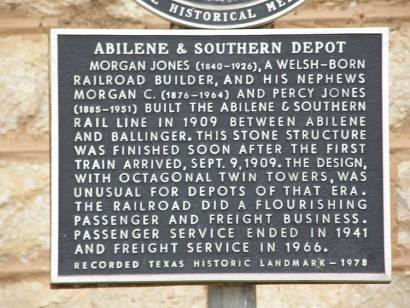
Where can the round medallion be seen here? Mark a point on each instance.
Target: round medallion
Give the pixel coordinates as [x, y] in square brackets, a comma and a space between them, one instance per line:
[220, 14]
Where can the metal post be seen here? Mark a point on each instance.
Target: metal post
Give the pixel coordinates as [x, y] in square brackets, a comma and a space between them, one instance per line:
[232, 296]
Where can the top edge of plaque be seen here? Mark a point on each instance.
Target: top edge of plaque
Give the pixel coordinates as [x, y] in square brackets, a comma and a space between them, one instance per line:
[220, 14]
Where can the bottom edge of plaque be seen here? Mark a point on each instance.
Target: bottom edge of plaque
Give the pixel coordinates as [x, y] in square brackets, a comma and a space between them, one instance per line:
[218, 278]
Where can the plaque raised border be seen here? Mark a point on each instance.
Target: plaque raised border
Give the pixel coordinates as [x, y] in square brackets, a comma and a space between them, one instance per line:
[209, 278]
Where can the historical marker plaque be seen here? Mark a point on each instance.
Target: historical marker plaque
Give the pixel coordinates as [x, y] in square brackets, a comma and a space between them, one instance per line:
[188, 156]
[221, 14]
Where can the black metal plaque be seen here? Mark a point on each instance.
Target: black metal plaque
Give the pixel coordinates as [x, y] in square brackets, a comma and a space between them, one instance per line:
[188, 156]
[221, 14]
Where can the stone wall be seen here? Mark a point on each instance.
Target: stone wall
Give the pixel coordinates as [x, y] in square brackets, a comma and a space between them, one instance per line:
[24, 155]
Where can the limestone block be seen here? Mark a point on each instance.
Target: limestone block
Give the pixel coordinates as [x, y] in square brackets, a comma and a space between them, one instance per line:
[399, 76]
[130, 11]
[397, 295]
[37, 293]
[86, 13]
[24, 211]
[403, 210]
[24, 83]
[45, 7]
